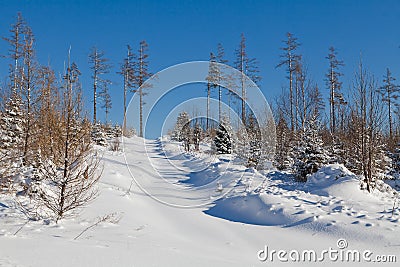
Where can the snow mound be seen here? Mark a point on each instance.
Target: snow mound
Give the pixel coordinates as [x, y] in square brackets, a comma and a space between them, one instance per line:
[250, 209]
[330, 174]
[335, 180]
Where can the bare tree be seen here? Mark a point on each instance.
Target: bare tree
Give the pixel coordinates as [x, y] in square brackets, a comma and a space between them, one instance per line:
[71, 171]
[289, 59]
[334, 85]
[29, 78]
[364, 139]
[390, 93]
[212, 81]
[47, 108]
[141, 75]
[16, 49]
[220, 58]
[247, 67]
[99, 66]
[127, 70]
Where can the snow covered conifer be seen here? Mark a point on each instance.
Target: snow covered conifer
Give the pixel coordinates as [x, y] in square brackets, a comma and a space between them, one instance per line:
[255, 146]
[249, 146]
[310, 152]
[12, 124]
[98, 135]
[223, 139]
[282, 144]
[11, 140]
[197, 136]
[182, 120]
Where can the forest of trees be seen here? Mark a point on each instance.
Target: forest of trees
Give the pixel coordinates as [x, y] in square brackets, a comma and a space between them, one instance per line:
[358, 127]
[47, 137]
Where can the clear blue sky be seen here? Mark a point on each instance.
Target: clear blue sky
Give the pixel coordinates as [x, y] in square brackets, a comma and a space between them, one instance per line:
[179, 31]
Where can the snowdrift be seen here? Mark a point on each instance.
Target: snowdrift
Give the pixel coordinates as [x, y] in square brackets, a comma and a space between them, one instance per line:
[251, 209]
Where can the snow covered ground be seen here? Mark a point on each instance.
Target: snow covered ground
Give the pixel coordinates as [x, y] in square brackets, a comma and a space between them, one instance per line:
[202, 210]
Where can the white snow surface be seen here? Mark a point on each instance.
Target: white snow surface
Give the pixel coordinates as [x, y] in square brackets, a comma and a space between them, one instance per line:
[228, 214]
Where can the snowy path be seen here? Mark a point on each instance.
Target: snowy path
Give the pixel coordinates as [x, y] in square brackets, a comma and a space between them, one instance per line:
[151, 233]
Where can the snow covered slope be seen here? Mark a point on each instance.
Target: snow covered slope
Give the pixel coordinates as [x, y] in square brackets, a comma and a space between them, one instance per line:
[203, 211]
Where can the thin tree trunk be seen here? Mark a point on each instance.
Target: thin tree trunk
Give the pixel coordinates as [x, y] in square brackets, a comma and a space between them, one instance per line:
[390, 118]
[141, 111]
[94, 97]
[332, 102]
[219, 102]
[291, 93]
[28, 117]
[125, 88]
[243, 100]
[208, 106]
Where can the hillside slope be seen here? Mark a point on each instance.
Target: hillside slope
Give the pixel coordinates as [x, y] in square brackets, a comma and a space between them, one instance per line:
[200, 211]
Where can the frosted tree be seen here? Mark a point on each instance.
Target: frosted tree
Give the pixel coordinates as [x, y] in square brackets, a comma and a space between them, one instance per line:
[197, 136]
[181, 121]
[255, 146]
[11, 141]
[283, 140]
[224, 140]
[23, 75]
[98, 135]
[182, 131]
[248, 145]
[310, 153]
